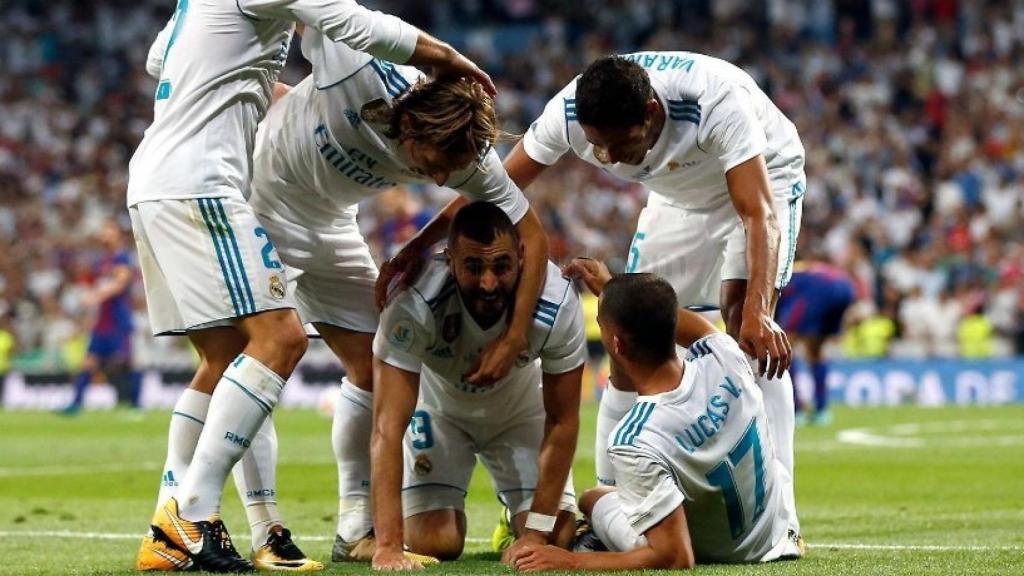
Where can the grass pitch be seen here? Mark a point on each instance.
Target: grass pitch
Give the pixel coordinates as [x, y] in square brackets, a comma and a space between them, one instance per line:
[884, 491]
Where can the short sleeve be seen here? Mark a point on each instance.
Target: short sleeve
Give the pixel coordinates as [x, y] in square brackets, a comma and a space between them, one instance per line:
[548, 137]
[491, 183]
[646, 488]
[155, 58]
[730, 129]
[376, 33]
[403, 335]
[566, 347]
[727, 353]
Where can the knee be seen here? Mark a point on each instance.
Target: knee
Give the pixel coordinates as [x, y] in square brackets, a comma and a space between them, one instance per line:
[590, 498]
[360, 372]
[288, 341]
[442, 540]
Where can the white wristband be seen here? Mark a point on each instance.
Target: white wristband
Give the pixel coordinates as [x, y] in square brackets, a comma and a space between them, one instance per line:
[540, 522]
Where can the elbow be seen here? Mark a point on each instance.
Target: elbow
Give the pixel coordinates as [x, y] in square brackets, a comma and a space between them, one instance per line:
[679, 559]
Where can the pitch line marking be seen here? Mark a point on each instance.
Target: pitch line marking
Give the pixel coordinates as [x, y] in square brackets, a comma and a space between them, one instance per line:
[822, 545]
[909, 435]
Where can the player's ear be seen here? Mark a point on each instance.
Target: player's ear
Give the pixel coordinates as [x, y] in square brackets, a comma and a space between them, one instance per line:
[617, 345]
[651, 108]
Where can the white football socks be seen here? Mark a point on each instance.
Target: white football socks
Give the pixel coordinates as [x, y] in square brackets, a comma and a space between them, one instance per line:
[350, 437]
[779, 411]
[244, 398]
[182, 435]
[614, 405]
[256, 480]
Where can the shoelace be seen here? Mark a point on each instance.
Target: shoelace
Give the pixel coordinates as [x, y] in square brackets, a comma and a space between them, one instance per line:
[284, 546]
[221, 536]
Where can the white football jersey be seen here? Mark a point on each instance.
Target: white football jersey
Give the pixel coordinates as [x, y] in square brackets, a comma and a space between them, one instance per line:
[321, 141]
[706, 446]
[716, 118]
[427, 329]
[218, 61]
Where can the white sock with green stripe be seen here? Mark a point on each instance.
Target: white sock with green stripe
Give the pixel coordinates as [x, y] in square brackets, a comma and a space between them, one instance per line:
[182, 435]
[244, 398]
[614, 405]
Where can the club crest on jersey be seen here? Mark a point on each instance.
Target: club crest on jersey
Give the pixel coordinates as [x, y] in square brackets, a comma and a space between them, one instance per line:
[277, 288]
[523, 359]
[423, 465]
[452, 326]
[401, 336]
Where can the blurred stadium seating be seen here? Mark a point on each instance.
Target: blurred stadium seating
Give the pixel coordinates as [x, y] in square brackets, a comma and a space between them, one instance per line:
[912, 114]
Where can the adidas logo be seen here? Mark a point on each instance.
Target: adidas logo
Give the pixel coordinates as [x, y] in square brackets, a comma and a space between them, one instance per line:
[445, 352]
[168, 479]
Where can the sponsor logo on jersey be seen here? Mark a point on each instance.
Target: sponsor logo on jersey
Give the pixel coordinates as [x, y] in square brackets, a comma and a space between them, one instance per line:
[452, 326]
[350, 161]
[277, 289]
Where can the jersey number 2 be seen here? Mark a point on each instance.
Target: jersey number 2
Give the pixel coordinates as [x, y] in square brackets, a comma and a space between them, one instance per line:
[163, 89]
[268, 250]
[725, 476]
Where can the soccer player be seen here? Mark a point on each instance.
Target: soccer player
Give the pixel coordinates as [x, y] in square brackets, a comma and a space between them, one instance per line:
[696, 474]
[724, 168]
[358, 126]
[811, 310]
[429, 339]
[110, 343]
[207, 265]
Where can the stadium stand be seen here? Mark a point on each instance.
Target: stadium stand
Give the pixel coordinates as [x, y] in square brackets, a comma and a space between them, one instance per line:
[931, 137]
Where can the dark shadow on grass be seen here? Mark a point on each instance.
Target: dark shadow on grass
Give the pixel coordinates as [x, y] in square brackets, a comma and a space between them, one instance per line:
[482, 556]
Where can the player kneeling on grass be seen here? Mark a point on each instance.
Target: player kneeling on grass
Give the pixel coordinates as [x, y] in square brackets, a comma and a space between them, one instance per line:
[430, 338]
[696, 474]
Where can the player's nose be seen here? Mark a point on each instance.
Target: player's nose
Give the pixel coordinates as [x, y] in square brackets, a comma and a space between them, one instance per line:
[488, 282]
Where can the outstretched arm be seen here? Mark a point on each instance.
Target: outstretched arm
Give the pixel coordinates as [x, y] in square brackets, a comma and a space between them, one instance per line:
[759, 336]
[522, 169]
[393, 405]
[561, 429]
[690, 326]
[498, 358]
[668, 547]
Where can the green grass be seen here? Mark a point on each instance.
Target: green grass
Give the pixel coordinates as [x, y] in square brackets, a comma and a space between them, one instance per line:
[951, 501]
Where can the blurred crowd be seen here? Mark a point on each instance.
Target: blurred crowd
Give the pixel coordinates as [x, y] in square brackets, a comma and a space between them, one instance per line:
[910, 112]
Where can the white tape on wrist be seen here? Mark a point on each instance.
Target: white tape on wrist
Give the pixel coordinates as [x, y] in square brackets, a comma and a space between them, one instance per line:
[540, 522]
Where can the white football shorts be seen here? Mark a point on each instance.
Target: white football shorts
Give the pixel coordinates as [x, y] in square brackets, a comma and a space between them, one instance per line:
[441, 451]
[695, 250]
[205, 262]
[328, 262]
